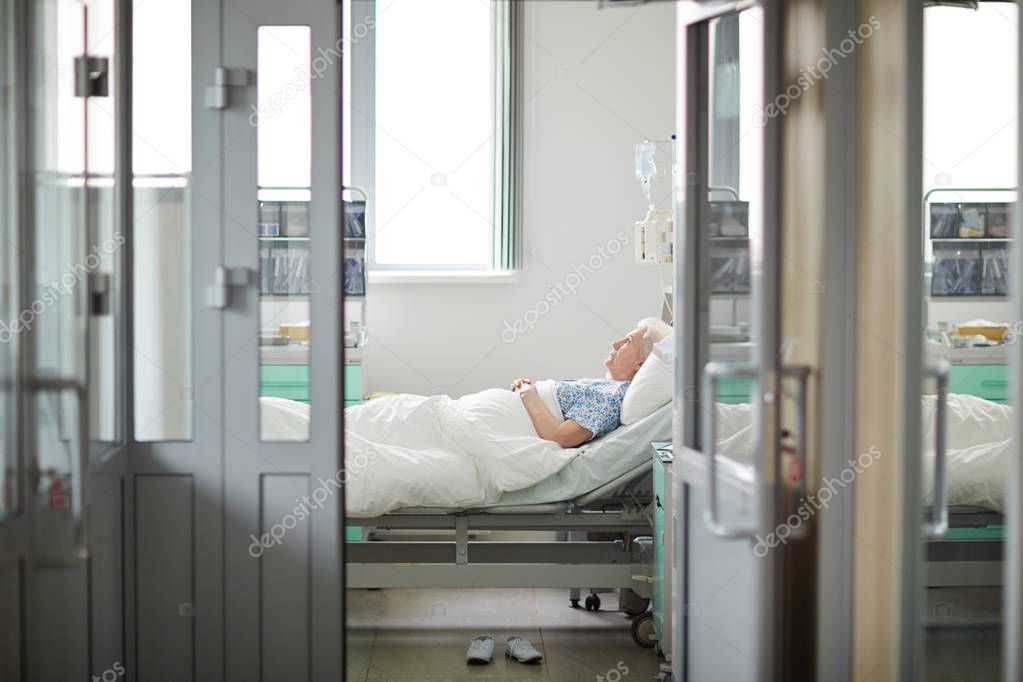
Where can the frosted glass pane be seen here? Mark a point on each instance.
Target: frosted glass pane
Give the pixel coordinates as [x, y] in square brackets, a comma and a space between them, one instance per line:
[285, 106]
[284, 156]
[434, 134]
[162, 265]
[162, 88]
[61, 43]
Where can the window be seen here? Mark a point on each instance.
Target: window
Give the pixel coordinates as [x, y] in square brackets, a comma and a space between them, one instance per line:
[431, 127]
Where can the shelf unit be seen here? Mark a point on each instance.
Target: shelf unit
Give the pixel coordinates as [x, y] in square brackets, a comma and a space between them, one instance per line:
[982, 244]
[965, 240]
[281, 210]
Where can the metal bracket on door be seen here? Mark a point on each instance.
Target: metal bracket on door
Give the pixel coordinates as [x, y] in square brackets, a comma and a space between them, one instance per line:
[217, 95]
[218, 294]
[92, 76]
[99, 293]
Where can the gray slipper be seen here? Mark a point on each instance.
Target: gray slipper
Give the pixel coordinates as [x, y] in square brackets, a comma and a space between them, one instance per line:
[521, 650]
[481, 650]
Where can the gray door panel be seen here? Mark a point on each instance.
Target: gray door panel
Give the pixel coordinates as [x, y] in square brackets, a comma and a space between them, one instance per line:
[164, 543]
[106, 555]
[284, 616]
[722, 594]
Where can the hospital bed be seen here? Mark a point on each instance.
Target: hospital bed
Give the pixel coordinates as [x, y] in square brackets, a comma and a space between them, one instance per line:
[971, 553]
[976, 442]
[606, 489]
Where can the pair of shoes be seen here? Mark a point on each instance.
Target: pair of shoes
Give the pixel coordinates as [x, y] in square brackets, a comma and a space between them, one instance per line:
[521, 650]
[481, 650]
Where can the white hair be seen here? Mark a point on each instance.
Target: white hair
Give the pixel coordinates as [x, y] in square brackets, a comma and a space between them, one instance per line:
[654, 330]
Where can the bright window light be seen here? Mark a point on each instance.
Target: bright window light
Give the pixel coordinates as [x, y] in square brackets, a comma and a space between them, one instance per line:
[434, 134]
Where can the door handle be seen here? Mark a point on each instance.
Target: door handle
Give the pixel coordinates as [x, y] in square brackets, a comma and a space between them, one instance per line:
[801, 373]
[938, 525]
[713, 372]
[78, 501]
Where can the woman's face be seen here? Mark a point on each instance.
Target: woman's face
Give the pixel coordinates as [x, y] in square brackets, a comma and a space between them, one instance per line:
[624, 360]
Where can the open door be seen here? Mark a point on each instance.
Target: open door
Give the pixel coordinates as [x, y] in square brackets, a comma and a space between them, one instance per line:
[56, 187]
[281, 277]
[937, 520]
[147, 530]
[728, 367]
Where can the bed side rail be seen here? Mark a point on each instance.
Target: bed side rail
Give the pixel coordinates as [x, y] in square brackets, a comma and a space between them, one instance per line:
[622, 483]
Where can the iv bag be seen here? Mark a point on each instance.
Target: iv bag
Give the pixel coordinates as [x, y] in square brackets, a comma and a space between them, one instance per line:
[646, 167]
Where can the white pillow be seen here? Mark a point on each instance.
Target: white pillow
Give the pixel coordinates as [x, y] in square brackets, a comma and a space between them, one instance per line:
[651, 388]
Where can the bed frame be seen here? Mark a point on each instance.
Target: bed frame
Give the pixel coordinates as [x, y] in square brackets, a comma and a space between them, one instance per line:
[620, 506]
[967, 563]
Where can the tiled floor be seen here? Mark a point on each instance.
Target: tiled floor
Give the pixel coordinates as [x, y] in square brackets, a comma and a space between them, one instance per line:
[423, 635]
[963, 653]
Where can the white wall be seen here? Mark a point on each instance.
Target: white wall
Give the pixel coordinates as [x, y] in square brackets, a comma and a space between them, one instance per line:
[596, 82]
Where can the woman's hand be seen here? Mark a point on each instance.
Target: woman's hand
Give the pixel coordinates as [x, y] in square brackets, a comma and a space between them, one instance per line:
[520, 384]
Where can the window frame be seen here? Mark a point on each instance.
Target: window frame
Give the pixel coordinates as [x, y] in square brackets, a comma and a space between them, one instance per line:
[360, 152]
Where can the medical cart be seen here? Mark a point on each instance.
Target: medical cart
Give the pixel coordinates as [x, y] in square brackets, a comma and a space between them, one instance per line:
[664, 529]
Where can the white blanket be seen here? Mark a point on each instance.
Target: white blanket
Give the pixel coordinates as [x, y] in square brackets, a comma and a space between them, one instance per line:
[410, 451]
[979, 440]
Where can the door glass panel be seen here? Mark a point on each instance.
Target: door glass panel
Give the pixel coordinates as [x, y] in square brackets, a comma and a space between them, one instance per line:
[284, 140]
[733, 227]
[104, 242]
[969, 179]
[161, 168]
[52, 310]
[8, 270]
[724, 575]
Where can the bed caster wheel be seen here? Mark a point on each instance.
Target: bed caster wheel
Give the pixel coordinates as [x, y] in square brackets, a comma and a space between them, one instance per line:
[593, 603]
[574, 603]
[637, 609]
[642, 631]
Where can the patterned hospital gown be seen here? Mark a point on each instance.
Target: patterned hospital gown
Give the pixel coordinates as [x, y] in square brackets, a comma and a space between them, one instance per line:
[594, 404]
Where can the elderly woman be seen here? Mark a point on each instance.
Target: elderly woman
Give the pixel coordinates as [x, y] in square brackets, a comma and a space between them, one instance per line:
[592, 407]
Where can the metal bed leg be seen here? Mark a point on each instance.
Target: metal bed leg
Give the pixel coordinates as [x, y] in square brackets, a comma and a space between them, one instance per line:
[461, 540]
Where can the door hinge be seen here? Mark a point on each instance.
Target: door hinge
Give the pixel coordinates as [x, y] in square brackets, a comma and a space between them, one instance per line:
[92, 76]
[99, 293]
[218, 294]
[217, 95]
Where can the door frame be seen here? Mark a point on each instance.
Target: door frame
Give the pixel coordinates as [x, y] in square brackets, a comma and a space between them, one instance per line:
[1013, 569]
[837, 352]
